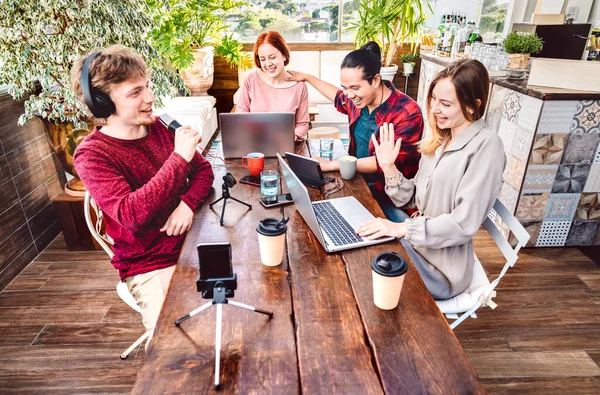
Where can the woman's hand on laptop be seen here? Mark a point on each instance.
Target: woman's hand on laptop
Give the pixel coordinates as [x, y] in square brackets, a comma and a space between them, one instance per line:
[180, 220]
[380, 227]
[186, 140]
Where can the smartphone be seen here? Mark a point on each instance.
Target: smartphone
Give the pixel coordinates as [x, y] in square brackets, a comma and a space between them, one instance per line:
[250, 180]
[215, 260]
[272, 201]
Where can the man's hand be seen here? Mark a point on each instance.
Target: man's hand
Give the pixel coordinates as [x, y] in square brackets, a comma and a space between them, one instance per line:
[380, 227]
[186, 140]
[180, 220]
[327, 165]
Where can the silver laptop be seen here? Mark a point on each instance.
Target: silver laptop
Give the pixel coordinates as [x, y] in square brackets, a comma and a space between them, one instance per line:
[266, 132]
[333, 221]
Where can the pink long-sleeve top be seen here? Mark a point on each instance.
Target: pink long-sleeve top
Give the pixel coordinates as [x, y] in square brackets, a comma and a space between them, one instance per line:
[137, 184]
[257, 96]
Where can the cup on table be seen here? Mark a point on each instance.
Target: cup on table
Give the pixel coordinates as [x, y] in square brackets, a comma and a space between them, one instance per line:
[255, 163]
[269, 182]
[326, 147]
[271, 240]
[388, 276]
[347, 166]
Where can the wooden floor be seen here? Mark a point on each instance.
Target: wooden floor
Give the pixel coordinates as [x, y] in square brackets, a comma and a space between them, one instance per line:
[63, 327]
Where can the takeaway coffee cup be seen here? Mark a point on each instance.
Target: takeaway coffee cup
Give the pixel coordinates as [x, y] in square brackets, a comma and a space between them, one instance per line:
[255, 162]
[347, 166]
[271, 240]
[388, 276]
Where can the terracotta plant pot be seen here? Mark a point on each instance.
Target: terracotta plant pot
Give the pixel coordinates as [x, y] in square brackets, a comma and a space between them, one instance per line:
[63, 139]
[199, 77]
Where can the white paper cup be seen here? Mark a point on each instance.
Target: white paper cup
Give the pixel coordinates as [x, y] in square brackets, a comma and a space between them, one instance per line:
[271, 241]
[388, 276]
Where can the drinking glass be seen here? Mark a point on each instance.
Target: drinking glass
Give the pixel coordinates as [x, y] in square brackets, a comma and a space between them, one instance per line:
[269, 182]
[326, 145]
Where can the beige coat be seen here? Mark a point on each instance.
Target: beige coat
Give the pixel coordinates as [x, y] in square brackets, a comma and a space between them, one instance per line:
[454, 190]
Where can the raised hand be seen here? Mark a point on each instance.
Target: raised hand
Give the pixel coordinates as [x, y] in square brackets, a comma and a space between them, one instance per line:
[386, 150]
[186, 140]
[295, 76]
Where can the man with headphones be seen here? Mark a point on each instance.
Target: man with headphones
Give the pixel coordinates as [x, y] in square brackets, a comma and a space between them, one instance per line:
[147, 181]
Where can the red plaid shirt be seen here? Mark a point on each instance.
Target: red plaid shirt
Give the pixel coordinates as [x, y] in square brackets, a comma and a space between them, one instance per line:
[404, 113]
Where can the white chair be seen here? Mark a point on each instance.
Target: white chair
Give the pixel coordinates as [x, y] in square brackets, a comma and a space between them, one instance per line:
[105, 242]
[480, 292]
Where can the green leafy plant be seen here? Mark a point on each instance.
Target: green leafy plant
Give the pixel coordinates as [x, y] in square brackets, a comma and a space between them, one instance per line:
[390, 23]
[182, 26]
[40, 39]
[409, 58]
[522, 42]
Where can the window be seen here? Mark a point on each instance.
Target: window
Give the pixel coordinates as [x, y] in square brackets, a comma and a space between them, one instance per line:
[297, 21]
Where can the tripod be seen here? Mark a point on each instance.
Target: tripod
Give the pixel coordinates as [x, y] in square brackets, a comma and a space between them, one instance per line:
[228, 182]
[220, 293]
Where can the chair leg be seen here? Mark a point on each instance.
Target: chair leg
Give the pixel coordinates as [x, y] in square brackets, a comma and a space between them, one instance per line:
[134, 345]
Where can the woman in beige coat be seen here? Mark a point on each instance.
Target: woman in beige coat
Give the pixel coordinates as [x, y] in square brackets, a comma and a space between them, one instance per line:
[459, 178]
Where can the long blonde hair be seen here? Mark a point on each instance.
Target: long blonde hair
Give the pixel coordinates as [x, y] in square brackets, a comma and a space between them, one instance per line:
[472, 84]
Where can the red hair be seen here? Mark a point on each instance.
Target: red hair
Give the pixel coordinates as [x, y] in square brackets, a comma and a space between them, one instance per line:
[275, 39]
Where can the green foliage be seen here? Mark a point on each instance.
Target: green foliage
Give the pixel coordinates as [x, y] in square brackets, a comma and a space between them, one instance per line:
[252, 23]
[181, 26]
[522, 42]
[390, 23]
[409, 58]
[493, 16]
[40, 40]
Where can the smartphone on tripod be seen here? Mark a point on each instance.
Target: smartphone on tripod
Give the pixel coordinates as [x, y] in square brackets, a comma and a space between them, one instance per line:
[215, 265]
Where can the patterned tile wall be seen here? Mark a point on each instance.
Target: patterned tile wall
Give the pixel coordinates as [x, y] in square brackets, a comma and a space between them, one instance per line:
[552, 176]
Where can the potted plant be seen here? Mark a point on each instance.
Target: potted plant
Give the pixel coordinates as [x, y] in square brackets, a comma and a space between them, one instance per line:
[390, 23]
[38, 45]
[191, 32]
[519, 46]
[409, 61]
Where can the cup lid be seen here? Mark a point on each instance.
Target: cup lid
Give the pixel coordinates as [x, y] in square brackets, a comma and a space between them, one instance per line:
[389, 264]
[271, 227]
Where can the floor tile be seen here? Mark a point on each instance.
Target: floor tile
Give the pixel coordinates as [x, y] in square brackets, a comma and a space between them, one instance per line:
[589, 207]
[532, 207]
[562, 206]
[592, 183]
[570, 178]
[553, 233]
[581, 148]
[508, 196]
[587, 117]
[548, 149]
[530, 113]
[507, 131]
[539, 178]
[582, 233]
[556, 116]
[514, 172]
[512, 106]
[522, 144]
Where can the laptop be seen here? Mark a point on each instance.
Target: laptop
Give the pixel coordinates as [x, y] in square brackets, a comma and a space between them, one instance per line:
[266, 132]
[333, 221]
[308, 170]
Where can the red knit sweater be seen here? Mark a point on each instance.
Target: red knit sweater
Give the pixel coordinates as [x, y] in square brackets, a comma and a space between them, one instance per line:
[137, 184]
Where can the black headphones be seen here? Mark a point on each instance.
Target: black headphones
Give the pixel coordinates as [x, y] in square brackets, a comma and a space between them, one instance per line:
[97, 101]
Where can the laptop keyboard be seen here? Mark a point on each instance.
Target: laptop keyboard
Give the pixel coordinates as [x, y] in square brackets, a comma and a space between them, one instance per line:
[334, 225]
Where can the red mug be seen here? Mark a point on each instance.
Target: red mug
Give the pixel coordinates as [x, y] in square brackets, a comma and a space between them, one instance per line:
[255, 163]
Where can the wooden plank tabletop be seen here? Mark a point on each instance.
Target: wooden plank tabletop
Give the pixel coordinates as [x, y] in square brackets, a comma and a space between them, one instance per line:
[326, 334]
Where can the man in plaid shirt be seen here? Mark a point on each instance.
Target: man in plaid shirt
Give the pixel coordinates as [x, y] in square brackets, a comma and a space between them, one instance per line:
[370, 102]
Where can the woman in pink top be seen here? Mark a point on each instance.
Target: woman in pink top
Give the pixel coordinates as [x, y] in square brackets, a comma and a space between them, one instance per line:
[266, 90]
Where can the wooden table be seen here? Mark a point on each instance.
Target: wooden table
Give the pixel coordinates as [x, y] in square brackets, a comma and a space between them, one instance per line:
[326, 334]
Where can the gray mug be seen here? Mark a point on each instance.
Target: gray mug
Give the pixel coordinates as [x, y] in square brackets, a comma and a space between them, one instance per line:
[347, 166]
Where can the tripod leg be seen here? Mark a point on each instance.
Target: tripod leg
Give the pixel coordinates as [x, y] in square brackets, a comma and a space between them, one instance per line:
[218, 345]
[244, 203]
[251, 308]
[215, 202]
[193, 313]
[223, 212]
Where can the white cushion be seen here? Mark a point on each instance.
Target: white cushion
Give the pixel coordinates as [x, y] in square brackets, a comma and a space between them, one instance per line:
[466, 300]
